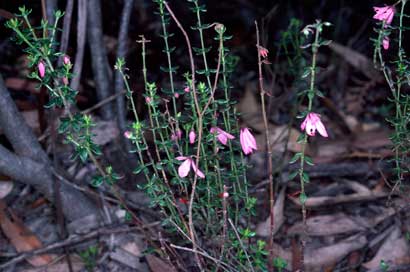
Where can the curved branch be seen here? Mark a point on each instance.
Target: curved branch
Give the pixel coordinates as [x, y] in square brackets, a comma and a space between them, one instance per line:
[19, 134]
[31, 164]
[38, 175]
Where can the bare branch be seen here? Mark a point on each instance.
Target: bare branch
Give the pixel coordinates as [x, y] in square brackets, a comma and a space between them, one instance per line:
[119, 83]
[16, 130]
[81, 30]
[38, 175]
[99, 58]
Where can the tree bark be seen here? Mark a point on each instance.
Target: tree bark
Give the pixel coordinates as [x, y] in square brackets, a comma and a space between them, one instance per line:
[81, 34]
[119, 82]
[30, 164]
[51, 7]
[99, 58]
[16, 130]
[75, 204]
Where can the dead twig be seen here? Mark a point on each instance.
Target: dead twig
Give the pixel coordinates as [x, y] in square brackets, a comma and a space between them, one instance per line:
[268, 148]
[70, 241]
[200, 124]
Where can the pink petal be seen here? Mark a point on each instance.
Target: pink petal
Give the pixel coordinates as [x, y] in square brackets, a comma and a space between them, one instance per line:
[314, 117]
[66, 60]
[196, 170]
[184, 168]
[181, 158]
[127, 134]
[303, 125]
[41, 69]
[310, 128]
[229, 136]
[222, 138]
[321, 129]
[247, 150]
[250, 140]
[384, 14]
[389, 17]
[242, 141]
[192, 137]
[179, 134]
[386, 43]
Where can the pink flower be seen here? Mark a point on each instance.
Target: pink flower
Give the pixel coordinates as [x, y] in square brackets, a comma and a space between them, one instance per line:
[147, 99]
[176, 136]
[385, 14]
[386, 43]
[247, 140]
[263, 52]
[41, 69]
[176, 95]
[127, 134]
[66, 60]
[185, 167]
[65, 81]
[186, 89]
[222, 135]
[312, 123]
[192, 137]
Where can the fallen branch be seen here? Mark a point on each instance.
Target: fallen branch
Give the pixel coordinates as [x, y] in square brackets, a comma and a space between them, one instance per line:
[70, 241]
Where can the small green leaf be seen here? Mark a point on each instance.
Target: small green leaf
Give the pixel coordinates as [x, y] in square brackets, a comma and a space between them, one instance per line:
[293, 175]
[309, 160]
[306, 72]
[295, 158]
[384, 266]
[279, 263]
[83, 154]
[301, 138]
[97, 181]
[302, 198]
[138, 169]
[305, 177]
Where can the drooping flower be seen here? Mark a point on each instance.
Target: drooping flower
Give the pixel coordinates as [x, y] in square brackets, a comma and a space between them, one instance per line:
[386, 43]
[312, 123]
[185, 167]
[148, 99]
[192, 137]
[176, 95]
[41, 69]
[263, 51]
[65, 80]
[222, 135]
[66, 59]
[177, 135]
[248, 142]
[186, 89]
[385, 14]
